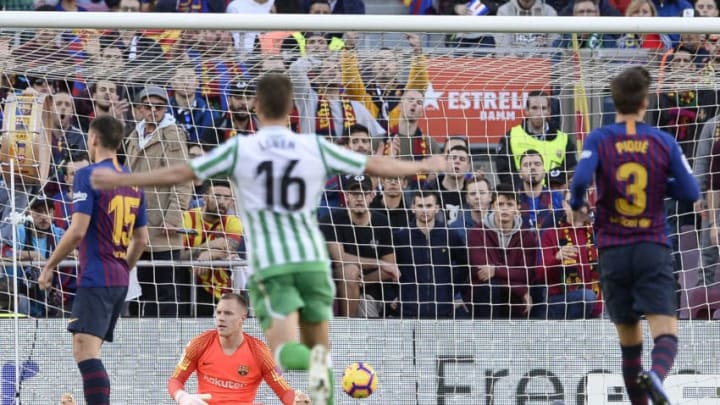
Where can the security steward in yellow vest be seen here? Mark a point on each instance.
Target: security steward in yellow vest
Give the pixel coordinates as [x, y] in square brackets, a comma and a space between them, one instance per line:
[536, 132]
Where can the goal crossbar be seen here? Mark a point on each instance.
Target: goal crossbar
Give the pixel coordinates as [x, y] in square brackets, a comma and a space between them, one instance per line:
[365, 23]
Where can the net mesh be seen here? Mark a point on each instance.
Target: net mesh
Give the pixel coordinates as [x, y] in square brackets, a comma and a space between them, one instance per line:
[412, 95]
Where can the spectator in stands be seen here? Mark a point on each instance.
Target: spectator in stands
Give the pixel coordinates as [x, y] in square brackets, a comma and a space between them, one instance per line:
[503, 257]
[450, 185]
[525, 41]
[360, 245]
[41, 85]
[105, 100]
[323, 108]
[358, 141]
[67, 399]
[156, 141]
[218, 66]
[391, 202]
[569, 266]
[672, 8]
[381, 95]
[432, 262]
[606, 8]
[412, 143]
[190, 6]
[36, 240]
[129, 6]
[683, 109]
[336, 6]
[215, 236]
[246, 42]
[190, 111]
[477, 200]
[643, 8]
[712, 67]
[707, 171]
[66, 137]
[540, 207]
[63, 199]
[239, 119]
[472, 39]
[706, 8]
[538, 132]
[41, 51]
[587, 8]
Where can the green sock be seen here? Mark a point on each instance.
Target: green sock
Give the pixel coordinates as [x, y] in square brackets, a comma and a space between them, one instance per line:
[331, 379]
[294, 356]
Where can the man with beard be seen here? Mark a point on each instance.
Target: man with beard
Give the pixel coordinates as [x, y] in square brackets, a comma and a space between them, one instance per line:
[358, 140]
[451, 184]
[539, 206]
[105, 101]
[323, 108]
[239, 119]
[191, 112]
[381, 96]
[215, 236]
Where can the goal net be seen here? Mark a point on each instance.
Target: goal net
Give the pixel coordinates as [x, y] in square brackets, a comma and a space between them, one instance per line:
[414, 304]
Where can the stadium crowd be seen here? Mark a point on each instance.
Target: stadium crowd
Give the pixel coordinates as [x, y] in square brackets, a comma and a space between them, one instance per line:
[491, 237]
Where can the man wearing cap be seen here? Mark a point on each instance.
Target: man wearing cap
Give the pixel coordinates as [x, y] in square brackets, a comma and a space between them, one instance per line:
[239, 119]
[359, 241]
[158, 141]
[537, 132]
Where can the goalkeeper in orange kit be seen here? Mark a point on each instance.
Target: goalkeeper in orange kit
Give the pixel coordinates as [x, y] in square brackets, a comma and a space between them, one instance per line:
[230, 364]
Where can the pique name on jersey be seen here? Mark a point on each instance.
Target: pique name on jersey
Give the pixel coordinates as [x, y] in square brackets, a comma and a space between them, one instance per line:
[276, 143]
[632, 146]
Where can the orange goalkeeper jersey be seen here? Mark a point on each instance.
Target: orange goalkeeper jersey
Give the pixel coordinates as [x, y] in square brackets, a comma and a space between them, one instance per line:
[230, 379]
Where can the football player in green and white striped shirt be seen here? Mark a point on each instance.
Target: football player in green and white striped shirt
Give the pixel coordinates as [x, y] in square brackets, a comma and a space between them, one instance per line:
[279, 177]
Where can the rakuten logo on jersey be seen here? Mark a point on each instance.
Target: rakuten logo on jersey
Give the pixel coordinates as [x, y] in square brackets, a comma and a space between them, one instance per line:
[231, 385]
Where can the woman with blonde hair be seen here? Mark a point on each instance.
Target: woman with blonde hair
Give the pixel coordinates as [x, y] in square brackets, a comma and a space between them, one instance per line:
[643, 8]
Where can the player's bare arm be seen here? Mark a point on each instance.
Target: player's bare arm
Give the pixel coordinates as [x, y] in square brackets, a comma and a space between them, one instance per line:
[106, 179]
[383, 166]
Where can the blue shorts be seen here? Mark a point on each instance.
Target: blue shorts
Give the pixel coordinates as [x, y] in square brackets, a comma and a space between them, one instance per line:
[637, 280]
[95, 311]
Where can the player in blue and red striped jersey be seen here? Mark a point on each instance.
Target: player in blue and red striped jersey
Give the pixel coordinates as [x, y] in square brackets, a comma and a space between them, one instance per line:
[635, 167]
[110, 229]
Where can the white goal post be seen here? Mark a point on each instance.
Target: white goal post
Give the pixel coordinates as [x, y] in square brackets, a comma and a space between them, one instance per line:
[362, 23]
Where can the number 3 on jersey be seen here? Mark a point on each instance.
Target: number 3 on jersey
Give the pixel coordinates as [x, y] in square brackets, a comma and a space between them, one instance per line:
[123, 209]
[636, 177]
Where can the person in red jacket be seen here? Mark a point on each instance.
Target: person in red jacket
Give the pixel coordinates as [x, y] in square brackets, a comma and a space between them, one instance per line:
[503, 256]
[230, 364]
[569, 266]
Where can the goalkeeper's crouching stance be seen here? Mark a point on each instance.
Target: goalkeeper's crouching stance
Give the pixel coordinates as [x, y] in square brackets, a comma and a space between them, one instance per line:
[230, 364]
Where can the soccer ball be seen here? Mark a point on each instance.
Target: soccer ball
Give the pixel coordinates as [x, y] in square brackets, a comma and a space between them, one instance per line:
[359, 380]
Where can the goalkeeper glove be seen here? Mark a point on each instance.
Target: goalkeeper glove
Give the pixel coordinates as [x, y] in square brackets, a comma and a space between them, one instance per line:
[184, 398]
